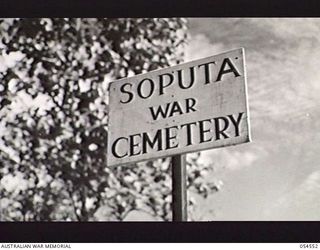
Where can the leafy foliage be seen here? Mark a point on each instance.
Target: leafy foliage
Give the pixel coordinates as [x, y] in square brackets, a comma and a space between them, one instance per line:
[53, 118]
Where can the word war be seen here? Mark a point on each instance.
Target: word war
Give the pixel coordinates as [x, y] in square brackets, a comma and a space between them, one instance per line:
[185, 108]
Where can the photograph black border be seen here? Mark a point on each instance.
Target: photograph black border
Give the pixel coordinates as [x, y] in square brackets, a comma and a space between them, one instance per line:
[159, 8]
[156, 232]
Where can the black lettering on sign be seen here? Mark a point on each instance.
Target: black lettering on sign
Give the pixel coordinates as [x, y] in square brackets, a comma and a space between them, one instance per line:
[175, 108]
[140, 87]
[162, 86]
[206, 71]
[181, 82]
[219, 130]
[178, 136]
[171, 140]
[190, 102]
[232, 69]
[172, 108]
[204, 131]
[130, 94]
[114, 145]
[146, 141]
[134, 144]
[161, 110]
[236, 123]
[189, 134]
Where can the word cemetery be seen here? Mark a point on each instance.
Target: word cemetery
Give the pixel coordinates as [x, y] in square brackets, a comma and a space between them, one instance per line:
[186, 108]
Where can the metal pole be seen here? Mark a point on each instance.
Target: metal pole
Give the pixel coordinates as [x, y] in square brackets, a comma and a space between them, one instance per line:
[179, 188]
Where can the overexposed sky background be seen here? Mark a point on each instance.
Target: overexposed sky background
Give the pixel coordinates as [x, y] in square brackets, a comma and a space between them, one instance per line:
[277, 175]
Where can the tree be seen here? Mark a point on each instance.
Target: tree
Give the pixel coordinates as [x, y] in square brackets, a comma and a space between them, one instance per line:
[54, 114]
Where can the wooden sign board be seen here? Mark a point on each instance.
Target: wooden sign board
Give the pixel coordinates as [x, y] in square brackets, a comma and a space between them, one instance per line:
[189, 107]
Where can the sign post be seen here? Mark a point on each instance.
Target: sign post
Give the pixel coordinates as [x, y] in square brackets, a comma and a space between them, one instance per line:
[179, 188]
[182, 109]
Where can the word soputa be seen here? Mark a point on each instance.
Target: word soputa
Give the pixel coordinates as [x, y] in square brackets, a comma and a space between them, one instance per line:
[148, 87]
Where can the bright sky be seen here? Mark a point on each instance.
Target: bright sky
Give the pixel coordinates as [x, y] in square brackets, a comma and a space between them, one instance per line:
[277, 176]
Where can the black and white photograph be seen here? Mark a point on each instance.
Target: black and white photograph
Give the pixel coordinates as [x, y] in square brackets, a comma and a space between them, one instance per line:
[176, 119]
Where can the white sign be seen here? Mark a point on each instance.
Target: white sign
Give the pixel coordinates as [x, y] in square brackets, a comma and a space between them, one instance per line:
[189, 107]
